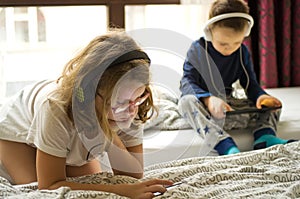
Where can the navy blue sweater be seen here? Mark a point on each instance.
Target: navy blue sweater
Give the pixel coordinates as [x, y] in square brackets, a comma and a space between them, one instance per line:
[213, 73]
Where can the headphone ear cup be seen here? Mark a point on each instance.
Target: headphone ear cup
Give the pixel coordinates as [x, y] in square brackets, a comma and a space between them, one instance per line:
[207, 34]
[247, 33]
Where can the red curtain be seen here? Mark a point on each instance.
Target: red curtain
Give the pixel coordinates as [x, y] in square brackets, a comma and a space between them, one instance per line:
[275, 42]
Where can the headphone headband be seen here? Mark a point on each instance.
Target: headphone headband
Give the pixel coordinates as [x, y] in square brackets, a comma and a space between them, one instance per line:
[220, 17]
[131, 55]
[85, 90]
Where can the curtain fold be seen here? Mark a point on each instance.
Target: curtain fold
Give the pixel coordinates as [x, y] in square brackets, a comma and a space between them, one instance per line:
[275, 43]
[296, 43]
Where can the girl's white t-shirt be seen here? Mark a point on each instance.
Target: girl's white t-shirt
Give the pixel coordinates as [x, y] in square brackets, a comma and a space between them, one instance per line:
[33, 116]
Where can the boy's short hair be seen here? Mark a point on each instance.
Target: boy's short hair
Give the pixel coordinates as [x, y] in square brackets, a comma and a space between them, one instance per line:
[219, 7]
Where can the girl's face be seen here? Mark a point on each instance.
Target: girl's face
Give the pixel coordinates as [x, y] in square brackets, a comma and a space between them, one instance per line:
[226, 40]
[124, 103]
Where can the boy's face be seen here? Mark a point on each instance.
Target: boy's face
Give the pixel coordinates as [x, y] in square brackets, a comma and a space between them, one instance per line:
[226, 40]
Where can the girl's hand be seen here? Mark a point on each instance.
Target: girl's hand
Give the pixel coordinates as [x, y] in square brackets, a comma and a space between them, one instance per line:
[142, 190]
[268, 101]
[216, 106]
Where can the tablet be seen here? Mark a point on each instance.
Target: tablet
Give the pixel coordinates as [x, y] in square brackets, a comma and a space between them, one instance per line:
[252, 110]
[168, 187]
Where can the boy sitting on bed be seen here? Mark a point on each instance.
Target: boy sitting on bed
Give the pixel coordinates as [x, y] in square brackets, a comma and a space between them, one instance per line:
[212, 65]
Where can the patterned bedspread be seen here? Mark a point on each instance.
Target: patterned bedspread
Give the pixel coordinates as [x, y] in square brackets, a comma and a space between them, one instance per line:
[268, 173]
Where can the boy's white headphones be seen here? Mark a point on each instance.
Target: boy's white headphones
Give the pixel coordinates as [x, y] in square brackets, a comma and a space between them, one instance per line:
[207, 33]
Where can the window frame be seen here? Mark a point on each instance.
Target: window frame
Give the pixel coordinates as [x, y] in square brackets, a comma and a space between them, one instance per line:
[115, 8]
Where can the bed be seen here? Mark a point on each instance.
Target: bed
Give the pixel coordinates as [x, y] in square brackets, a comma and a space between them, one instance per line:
[171, 152]
[267, 173]
[172, 149]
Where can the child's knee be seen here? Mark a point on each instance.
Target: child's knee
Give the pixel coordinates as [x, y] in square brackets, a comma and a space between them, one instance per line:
[187, 100]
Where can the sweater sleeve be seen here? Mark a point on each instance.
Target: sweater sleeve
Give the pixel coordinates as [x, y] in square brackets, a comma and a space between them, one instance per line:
[192, 83]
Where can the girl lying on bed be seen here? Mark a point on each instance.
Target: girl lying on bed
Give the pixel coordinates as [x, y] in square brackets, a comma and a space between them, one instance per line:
[56, 129]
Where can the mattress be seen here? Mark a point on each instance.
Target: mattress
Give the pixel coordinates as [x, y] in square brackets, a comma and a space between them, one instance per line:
[167, 145]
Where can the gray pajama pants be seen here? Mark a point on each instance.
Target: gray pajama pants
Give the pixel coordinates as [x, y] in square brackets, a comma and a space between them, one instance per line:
[212, 130]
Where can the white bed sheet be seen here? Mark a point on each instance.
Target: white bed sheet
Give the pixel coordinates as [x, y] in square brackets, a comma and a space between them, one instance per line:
[162, 146]
[267, 173]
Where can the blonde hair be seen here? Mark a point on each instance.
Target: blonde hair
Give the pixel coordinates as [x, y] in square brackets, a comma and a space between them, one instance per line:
[136, 70]
[90, 72]
[229, 6]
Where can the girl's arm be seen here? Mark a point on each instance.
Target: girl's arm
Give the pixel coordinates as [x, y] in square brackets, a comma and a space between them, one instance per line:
[126, 161]
[91, 167]
[51, 174]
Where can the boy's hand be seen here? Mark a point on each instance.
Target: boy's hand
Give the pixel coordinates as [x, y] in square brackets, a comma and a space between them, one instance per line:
[268, 101]
[216, 106]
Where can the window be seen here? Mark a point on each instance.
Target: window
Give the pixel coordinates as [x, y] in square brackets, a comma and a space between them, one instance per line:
[22, 24]
[187, 19]
[182, 22]
[36, 42]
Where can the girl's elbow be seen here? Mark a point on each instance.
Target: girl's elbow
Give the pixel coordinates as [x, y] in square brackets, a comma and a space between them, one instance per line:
[139, 175]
